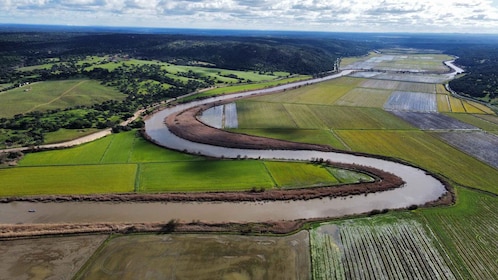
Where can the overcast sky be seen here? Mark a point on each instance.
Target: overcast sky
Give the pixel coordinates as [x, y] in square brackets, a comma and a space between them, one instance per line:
[474, 16]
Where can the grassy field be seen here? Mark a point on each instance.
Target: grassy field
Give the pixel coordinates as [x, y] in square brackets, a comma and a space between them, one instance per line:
[63, 134]
[125, 162]
[49, 95]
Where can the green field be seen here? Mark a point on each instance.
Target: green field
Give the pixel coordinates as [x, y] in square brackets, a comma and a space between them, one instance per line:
[424, 150]
[63, 134]
[272, 115]
[42, 96]
[68, 179]
[125, 162]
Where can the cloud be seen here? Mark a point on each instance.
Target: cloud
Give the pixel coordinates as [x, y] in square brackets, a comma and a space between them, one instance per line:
[330, 15]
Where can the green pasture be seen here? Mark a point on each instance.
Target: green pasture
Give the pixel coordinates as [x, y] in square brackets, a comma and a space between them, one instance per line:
[68, 179]
[42, 96]
[63, 134]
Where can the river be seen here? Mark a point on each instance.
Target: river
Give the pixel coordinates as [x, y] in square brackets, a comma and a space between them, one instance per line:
[419, 188]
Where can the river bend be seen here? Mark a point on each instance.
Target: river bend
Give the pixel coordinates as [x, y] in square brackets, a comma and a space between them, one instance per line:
[419, 188]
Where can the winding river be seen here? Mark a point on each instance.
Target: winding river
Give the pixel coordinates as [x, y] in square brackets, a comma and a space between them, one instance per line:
[419, 188]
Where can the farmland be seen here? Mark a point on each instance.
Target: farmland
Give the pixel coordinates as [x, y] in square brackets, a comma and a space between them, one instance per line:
[46, 258]
[389, 61]
[411, 101]
[212, 256]
[256, 114]
[125, 162]
[437, 243]
[479, 144]
[427, 151]
[467, 233]
[376, 249]
[433, 121]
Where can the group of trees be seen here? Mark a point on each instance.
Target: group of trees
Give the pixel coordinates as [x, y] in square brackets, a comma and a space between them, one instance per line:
[481, 78]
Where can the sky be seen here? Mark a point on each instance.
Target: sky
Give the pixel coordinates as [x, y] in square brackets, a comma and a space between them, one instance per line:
[433, 16]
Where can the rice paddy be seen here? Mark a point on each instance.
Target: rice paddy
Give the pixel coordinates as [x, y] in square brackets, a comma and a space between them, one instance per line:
[125, 162]
[201, 256]
[411, 101]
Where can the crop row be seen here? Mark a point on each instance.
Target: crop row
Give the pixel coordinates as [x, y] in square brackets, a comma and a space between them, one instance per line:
[401, 250]
[468, 233]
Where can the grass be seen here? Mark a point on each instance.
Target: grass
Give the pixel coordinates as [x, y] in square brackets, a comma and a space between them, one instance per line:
[49, 95]
[63, 134]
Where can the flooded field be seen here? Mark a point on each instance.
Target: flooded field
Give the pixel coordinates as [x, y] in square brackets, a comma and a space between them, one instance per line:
[46, 258]
[202, 256]
[411, 101]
